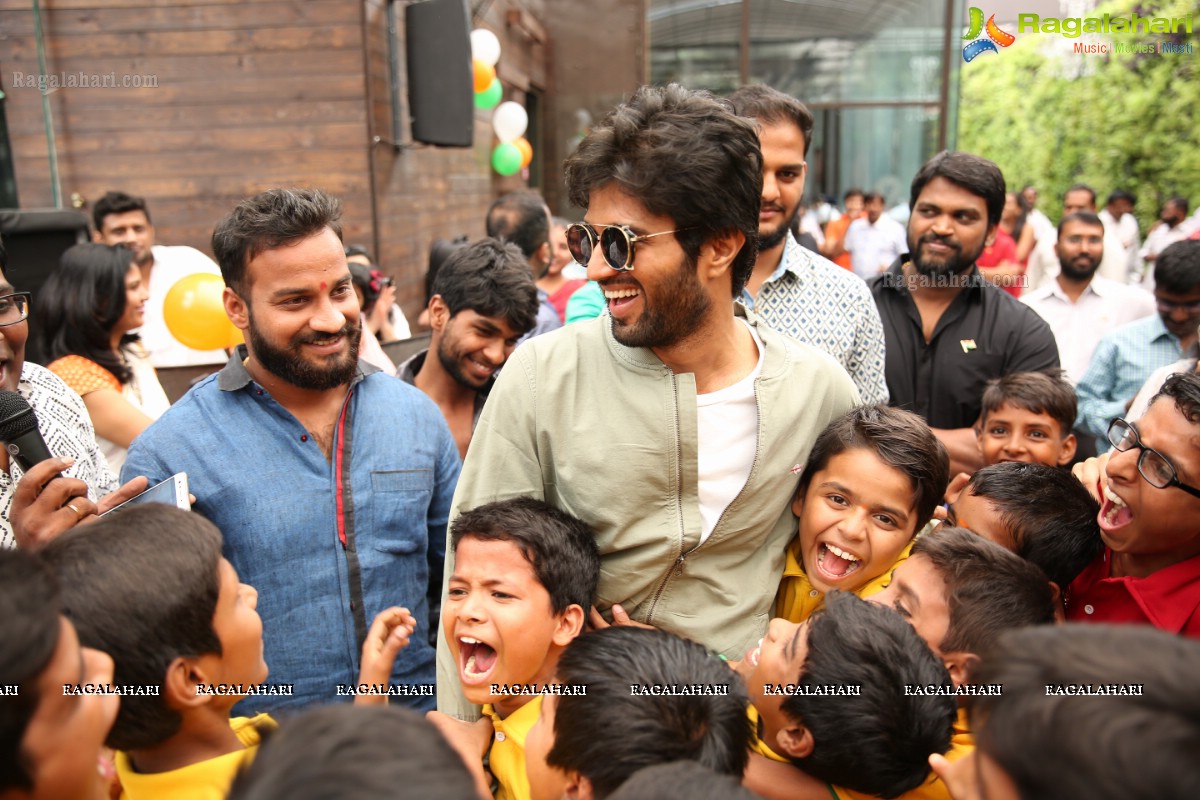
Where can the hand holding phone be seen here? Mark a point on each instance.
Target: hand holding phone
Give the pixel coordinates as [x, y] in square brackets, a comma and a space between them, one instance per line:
[173, 491]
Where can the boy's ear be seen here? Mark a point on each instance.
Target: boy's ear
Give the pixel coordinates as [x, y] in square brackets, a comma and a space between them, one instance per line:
[570, 625]
[959, 665]
[798, 502]
[180, 681]
[1067, 451]
[794, 740]
[578, 787]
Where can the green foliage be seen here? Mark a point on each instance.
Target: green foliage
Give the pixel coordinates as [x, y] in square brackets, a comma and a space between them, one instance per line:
[1051, 117]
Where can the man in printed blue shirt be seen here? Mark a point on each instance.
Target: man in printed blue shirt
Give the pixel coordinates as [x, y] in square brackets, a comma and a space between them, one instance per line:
[330, 480]
[794, 290]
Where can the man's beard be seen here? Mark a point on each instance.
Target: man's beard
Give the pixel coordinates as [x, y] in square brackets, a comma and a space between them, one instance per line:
[451, 362]
[1072, 273]
[289, 364]
[684, 305]
[954, 264]
[776, 236]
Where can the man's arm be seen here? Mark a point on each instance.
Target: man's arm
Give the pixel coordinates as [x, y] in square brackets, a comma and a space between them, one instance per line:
[445, 482]
[963, 448]
[867, 362]
[1097, 405]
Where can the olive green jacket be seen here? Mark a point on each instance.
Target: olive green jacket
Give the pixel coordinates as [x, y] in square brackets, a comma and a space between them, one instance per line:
[608, 433]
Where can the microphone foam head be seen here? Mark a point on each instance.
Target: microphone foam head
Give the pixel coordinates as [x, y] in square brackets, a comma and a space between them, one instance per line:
[16, 416]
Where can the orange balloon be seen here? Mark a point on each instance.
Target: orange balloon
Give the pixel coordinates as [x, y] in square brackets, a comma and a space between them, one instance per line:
[484, 75]
[526, 150]
[194, 311]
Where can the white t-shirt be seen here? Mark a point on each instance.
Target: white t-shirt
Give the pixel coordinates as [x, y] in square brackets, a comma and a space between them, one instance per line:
[874, 246]
[171, 264]
[727, 432]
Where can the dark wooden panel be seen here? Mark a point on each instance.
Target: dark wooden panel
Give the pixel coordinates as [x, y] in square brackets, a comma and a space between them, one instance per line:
[311, 40]
[58, 20]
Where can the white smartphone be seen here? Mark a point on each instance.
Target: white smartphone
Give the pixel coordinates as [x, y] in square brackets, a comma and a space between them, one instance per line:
[173, 491]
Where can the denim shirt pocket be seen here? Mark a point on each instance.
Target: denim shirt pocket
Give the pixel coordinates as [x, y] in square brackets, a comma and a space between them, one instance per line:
[400, 510]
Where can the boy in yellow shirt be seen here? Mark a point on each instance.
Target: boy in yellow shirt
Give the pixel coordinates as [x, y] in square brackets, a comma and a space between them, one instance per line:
[873, 479]
[151, 588]
[524, 573]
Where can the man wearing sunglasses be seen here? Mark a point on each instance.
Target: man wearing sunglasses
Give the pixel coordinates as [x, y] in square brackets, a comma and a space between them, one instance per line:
[674, 425]
[1149, 572]
[792, 289]
[1125, 358]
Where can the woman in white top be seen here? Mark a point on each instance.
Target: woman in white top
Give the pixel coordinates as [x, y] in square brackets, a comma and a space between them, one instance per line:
[83, 318]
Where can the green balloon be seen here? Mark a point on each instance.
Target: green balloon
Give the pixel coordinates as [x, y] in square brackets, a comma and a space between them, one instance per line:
[491, 96]
[506, 158]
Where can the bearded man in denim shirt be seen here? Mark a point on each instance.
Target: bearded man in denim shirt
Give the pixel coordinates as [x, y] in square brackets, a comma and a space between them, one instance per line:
[330, 480]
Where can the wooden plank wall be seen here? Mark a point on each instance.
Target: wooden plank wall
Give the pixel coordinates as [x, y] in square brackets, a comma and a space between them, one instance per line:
[248, 95]
[426, 193]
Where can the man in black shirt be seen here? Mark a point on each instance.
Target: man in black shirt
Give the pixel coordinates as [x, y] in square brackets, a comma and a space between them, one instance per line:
[948, 331]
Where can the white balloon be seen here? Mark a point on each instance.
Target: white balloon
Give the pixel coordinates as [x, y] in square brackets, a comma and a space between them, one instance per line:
[510, 121]
[485, 46]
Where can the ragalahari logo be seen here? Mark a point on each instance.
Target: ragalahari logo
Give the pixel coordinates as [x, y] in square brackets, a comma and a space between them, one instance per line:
[995, 37]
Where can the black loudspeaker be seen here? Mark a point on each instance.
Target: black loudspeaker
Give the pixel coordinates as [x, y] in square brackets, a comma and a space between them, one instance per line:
[35, 239]
[441, 87]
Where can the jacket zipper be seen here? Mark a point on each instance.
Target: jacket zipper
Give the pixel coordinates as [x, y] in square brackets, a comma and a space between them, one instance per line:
[678, 565]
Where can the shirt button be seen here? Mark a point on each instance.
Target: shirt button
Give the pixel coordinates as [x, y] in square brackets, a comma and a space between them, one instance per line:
[813, 593]
[500, 736]
[304, 437]
[353, 606]
[260, 391]
[1088, 609]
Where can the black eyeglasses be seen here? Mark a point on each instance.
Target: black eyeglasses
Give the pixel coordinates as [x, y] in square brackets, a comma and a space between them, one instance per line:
[1152, 464]
[14, 308]
[616, 243]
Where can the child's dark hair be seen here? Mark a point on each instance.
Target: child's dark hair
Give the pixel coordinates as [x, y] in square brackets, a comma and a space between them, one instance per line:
[1183, 388]
[681, 780]
[142, 586]
[560, 548]
[855, 643]
[1037, 392]
[640, 731]
[989, 589]
[30, 630]
[1141, 745]
[1050, 515]
[900, 439]
[353, 752]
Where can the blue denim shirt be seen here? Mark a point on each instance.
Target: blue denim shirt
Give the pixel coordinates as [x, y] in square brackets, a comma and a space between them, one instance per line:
[258, 474]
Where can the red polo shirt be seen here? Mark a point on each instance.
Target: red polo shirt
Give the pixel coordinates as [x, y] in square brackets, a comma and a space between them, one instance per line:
[1168, 599]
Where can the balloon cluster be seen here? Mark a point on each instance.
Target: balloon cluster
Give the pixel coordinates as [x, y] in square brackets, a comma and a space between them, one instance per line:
[194, 310]
[514, 152]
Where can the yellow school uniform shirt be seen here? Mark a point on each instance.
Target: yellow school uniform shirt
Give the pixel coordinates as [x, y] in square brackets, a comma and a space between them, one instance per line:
[961, 744]
[507, 756]
[757, 745]
[204, 780]
[797, 599]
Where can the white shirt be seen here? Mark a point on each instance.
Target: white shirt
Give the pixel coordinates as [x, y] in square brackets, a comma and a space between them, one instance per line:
[1042, 226]
[67, 430]
[727, 428]
[874, 246]
[1162, 237]
[171, 264]
[1104, 306]
[1126, 229]
[1044, 267]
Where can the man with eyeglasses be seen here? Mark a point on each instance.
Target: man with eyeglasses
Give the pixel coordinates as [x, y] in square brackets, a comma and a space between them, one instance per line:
[673, 424]
[1149, 489]
[1126, 357]
[64, 424]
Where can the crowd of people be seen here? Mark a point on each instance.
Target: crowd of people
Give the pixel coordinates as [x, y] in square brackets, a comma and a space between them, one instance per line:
[721, 517]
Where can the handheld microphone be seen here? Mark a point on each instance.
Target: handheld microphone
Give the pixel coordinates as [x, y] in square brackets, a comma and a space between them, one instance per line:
[19, 431]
